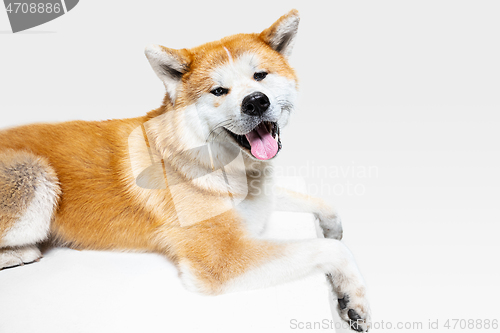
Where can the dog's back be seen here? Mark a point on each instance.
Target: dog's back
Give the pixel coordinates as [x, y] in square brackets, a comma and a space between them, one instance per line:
[78, 170]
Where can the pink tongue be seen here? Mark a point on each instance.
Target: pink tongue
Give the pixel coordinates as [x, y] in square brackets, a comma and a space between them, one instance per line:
[262, 143]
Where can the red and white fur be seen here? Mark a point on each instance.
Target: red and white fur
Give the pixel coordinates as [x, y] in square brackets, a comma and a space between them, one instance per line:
[145, 184]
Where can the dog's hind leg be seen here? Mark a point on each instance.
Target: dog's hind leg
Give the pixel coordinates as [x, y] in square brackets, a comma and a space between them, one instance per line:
[29, 193]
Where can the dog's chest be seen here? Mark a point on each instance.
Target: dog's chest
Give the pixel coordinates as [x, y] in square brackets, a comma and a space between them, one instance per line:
[255, 212]
[258, 205]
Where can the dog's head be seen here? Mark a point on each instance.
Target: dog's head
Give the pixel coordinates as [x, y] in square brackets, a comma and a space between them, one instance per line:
[241, 86]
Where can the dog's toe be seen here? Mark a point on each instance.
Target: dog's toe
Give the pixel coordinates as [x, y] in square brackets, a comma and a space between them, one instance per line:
[355, 318]
[343, 302]
[331, 226]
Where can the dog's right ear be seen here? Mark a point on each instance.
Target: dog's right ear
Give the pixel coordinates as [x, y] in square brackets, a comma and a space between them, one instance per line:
[170, 65]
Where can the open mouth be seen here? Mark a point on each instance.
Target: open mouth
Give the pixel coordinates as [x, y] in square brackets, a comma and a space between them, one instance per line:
[263, 141]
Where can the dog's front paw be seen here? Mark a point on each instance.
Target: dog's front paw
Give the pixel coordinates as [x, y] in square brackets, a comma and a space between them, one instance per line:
[354, 309]
[331, 225]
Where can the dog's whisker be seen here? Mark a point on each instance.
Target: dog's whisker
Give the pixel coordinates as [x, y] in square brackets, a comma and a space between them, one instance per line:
[217, 135]
[285, 105]
[221, 132]
[213, 132]
[220, 125]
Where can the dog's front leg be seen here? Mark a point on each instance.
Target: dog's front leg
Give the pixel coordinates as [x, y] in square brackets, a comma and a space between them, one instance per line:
[298, 259]
[219, 258]
[329, 221]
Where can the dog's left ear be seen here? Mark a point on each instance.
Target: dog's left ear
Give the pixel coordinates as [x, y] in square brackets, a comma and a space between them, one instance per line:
[281, 35]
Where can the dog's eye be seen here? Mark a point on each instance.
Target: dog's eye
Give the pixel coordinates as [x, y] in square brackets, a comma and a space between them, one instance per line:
[259, 76]
[219, 91]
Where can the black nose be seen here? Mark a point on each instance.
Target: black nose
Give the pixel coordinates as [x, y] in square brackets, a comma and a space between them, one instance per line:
[255, 104]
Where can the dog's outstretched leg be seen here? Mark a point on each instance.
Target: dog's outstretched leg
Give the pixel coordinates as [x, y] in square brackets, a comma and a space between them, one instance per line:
[28, 196]
[329, 221]
[217, 257]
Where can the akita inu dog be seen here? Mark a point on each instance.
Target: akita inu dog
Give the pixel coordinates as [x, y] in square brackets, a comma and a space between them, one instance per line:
[176, 181]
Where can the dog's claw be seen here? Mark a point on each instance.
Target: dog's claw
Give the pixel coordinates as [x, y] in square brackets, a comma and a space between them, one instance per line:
[357, 321]
[355, 327]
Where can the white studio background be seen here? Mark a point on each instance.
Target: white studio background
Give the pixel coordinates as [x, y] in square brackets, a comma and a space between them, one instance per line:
[398, 124]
